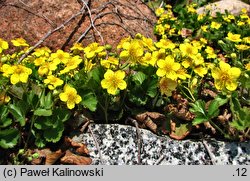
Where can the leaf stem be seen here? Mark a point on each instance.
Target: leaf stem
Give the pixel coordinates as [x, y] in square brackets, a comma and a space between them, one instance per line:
[218, 128]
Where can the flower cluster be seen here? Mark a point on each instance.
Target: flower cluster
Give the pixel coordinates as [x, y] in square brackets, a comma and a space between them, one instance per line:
[194, 52]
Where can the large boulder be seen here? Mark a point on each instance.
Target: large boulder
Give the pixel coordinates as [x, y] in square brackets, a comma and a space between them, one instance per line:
[119, 145]
[113, 20]
[232, 6]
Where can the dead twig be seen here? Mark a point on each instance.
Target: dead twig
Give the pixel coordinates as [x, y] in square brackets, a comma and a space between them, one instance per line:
[50, 32]
[92, 22]
[139, 139]
[209, 152]
[96, 144]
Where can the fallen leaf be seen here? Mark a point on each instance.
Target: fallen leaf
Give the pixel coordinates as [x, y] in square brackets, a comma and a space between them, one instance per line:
[150, 124]
[179, 130]
[186, 32]
[225, 117]
[80, 147]
[150, 120]
[209, 126]
[47, 155]
[52, 157]
[153, 115]
[73, 159]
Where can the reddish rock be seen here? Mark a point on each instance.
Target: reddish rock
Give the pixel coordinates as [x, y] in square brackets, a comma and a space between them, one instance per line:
[32, 20]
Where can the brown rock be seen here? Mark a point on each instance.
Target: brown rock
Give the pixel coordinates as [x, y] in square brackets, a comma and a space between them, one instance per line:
[113, 19]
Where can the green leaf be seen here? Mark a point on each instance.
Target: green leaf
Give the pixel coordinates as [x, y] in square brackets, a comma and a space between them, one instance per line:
[152, 88]
[241, 119]
[9, 138]
[139, 77]
[17, 113]
[54, 135]
[39, 142]
[43, 112]
[3, 112]
[89, 100]
[199, 120]
[5, 122]
[48, 102]
[213, 108]
[198, 108]
[61, 114]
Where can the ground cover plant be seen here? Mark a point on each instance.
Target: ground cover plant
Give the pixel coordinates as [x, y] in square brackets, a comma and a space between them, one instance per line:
[195, 77]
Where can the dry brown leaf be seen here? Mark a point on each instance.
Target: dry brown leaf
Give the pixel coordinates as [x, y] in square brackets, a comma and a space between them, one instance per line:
[186, 32]
[209, 126]
[153, 115]
[47, 155]
[225, 117]
[52, 157]
[150, 120]
[73, 159]
[208, 92]
[80, 147]
[150, 124]
[181, 112]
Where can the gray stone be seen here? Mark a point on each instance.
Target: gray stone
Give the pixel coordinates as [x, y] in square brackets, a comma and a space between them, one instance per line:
[232, 6]
[118, 146]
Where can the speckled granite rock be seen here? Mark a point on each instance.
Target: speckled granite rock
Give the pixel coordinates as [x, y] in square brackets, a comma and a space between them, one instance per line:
[118, 145]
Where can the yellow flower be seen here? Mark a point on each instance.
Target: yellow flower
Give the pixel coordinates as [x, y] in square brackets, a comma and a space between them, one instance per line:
[4, 98]
[147, 59]
[188, 50]
[182, 74]
[210, 52]
[200, 17]
[124, 40]
[240, 23]
[157, 55]
[200, 70]
[247, 66]
[159, 11]
[39, 61]
[132, 52]
[168, 68]
[3, 45]
[233, 37]
[19, 42]
[44, 51]
[71, 64]
[20, 74]
[148, 43]
[110, 62]
[46, 68]
[165, 44]
[247, 39]
[53, 82]
[70, 96]
[191, 9]
[113, 81]
[167, 86]
[77, 46]
[7, 70]
[242, 47]
[225, 76]
[60, 56]
[204, 28]
[88, 65]
[215, 25]
[93, 49]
